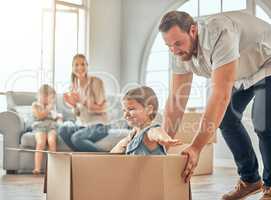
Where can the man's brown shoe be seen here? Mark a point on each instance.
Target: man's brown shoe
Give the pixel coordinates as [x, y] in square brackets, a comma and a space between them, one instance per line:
[266, 193]
[243, 190]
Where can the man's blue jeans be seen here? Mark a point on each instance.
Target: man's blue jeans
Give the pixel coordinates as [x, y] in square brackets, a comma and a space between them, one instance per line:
[237, 137]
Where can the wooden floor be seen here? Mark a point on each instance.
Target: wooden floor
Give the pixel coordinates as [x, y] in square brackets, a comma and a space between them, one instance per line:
[28, 187]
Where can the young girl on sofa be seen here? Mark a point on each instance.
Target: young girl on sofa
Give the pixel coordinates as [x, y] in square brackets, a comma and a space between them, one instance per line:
[45, 124]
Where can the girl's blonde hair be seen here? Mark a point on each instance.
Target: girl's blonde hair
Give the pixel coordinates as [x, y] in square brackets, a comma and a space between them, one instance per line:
[145, 96]
[46, 90]
[73, 76]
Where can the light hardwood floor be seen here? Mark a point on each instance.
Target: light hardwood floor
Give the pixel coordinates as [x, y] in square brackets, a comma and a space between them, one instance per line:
[28, 187]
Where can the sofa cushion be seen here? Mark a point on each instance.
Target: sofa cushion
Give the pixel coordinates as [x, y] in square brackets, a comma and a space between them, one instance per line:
[64, 109]
[115, 135]
[25, 112]
[19, 99]
[28, 141]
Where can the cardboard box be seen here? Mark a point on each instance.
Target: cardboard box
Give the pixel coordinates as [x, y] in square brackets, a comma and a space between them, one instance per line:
[206, 160]
[87, 176]
[189, 126]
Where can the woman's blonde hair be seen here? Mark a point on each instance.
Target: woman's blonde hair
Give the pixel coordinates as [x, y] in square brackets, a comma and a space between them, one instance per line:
[73, 76]
[145, 96]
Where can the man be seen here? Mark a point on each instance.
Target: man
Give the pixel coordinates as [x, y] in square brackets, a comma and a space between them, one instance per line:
[234, 50]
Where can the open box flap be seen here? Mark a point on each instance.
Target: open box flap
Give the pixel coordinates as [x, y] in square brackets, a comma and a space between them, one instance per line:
[59, 177]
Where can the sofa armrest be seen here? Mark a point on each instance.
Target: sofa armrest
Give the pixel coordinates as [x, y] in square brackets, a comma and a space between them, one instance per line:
[11, 126]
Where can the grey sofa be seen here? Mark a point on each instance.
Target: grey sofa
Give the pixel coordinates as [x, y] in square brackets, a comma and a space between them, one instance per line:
[15, 123]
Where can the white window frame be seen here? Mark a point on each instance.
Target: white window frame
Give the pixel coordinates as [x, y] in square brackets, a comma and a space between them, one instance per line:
[85, 6]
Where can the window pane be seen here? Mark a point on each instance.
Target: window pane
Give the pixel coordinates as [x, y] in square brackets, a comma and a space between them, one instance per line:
[197, 96]
[71, 23]
[21, 41]
[229, 5]
[208, 7]
[65, 47]
[159, 82]
[260, 13]
[47, 45]
[160, 77]
[82, 31]
[78, 2]
[190, 7]
[158, 61]
[159, 44]
[161, 93]
[3, 103]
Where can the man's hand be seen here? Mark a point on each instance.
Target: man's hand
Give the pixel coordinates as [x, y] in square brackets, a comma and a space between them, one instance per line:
[192, 154]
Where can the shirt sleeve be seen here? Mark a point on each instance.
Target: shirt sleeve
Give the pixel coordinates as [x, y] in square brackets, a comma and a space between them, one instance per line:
[225, 47]
[179, 66]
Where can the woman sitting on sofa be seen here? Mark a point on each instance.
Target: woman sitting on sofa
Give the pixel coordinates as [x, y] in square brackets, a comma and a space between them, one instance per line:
[86, 98]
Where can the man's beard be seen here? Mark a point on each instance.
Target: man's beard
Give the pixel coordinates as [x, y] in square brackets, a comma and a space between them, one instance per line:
[192, 50]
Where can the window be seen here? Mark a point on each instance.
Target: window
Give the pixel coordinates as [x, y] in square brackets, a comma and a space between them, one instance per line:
[38, 42]
[230, 5]
[260, 13]
[20, 47]
[208, 7]
[79, 2]
[157, 70]
[70, 22]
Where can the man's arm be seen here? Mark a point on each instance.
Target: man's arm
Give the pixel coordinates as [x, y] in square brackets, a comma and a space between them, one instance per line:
[222, 81]
[180, 88]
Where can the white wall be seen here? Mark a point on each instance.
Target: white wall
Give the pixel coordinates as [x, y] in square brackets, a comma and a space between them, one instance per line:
[105, 39]
[119, 31]
[139, 20]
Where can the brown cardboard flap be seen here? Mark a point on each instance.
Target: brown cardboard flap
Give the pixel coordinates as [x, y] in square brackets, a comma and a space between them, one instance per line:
[121, 177]
[59, 177]
[41, 151]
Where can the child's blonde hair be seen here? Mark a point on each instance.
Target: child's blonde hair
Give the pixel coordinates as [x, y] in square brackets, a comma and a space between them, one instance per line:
[46, 90]
[145, 96]
[73, 76]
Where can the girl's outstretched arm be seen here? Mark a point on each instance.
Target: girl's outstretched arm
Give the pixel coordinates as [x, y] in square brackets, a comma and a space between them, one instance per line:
[160, 136]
